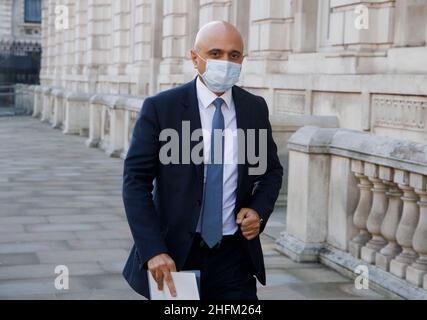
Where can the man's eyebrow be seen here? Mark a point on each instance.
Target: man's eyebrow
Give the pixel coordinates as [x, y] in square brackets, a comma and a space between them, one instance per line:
[220, 50]
[215, 49]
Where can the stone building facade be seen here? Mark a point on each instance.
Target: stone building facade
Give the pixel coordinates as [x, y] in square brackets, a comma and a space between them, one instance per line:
[347, 79]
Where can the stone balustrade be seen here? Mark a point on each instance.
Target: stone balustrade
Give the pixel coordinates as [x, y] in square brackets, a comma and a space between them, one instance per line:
[38, 101]
[76, 113]
[111, 122]
[283, 127]
[47, 109]
[107, 120]
[58, 110]
[359, 199]
[24, 95]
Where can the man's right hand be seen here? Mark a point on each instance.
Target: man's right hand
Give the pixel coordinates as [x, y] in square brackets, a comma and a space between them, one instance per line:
[161, 267]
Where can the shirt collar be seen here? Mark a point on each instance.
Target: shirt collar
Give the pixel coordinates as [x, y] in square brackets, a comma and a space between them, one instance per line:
[207, 97]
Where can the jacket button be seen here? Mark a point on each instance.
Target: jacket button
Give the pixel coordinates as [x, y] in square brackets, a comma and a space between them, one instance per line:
[199, 203]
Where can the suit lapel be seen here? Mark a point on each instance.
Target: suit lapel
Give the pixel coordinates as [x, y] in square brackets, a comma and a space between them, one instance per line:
[242, 121]
[191, 113]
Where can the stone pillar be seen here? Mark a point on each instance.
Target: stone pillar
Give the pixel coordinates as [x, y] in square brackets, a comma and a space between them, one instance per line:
[308, 194]
[95, 119]
[407, 225]
[415, 273]
[58, 108]
[6, 12]
[211, 10]
[117, 129]
[156, 47]
[305, 26]
[69, 46]
[390, 223]
[98, 45]
[77, 113]
[363, 209]
[270, 35]
[175, 42]
[50, 57]
[132, 110]
[47, 105]
[44, 39]
[343, 200]
[38, 101]
[59, 36]
[410, 17]
[377, 213]
[80, 43]
[121, 47]
[144, 20]
[240, 18]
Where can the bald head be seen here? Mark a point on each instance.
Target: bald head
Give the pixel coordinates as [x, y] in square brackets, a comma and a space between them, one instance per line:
[218, 31]
[217, 40]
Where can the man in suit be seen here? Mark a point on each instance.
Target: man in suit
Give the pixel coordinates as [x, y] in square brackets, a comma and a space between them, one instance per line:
[202, 216]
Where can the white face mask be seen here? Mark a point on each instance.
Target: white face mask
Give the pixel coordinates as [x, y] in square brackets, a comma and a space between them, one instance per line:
[220, 75]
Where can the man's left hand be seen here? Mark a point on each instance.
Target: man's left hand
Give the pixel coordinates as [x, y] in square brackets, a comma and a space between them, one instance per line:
[250, 222]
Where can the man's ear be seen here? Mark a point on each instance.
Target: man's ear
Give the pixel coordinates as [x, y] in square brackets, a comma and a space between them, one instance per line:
[194, 58]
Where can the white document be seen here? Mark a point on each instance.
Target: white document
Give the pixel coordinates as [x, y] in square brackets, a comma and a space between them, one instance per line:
[185, 285]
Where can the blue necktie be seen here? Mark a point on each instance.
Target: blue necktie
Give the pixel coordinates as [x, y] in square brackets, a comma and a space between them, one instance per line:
[212, 202]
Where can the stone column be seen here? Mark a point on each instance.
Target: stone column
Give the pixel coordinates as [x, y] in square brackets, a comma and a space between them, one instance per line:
[132, 110]
[121, 47]
[98, 48]
[211, 10]
[343, 200]
[390, 223]
[407, 225]
[6, 18]
[410, 17]
[58, 108]
[363, 209]
[80, 43]
[175, 42]
[270, 35]
[308, 194]
[156, 47]
[44, 39]
[47, 105]
[77, 111]
[95, 119]
[58, 51]
[38, 101]
[50, 55]
[377, 213]
[415, 273]
[240, 12]
[305, 26]
[144, 20]
[69, 45]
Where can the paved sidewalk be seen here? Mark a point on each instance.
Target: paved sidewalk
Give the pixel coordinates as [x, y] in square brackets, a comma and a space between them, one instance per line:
[60, 204]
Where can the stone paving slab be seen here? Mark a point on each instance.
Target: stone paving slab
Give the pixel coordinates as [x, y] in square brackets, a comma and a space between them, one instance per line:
[60, 204]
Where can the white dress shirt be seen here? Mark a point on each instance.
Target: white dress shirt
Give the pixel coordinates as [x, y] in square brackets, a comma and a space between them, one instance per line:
[205, 98]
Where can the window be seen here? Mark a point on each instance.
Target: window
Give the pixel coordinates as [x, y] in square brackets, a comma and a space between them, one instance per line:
[33, 11]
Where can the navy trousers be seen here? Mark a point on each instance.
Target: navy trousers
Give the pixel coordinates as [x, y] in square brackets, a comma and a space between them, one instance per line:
[226, 271]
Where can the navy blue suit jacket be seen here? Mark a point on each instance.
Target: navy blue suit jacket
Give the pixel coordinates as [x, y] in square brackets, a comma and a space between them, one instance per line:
[163, 201]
